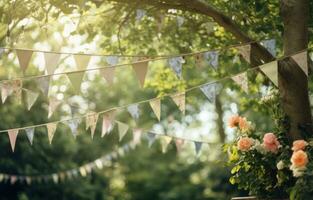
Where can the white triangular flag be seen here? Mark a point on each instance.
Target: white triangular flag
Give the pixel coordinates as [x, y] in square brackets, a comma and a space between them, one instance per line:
[73, 125]
[141, 69]
[53, 104]
[108, 74]
[210, 91]
[151, 138]
[31, 98]
[242, 80]
[81, 61]
[51, 61]
[122, 129]
[12, 137]
[76, 79]
[6, 90]
[179, 144]
[245, 51]
[136, 136]
[30, 134]
[179, 100]
[24, 57]
[51, 127]
[156, 107]
[91, 122]
[165, 141]
[271, 71]
[198, 146]
[107, 123]
[212, 58]
[43, 84]
[270, 45]
[302, 60]
[134, 111]
[176, 64]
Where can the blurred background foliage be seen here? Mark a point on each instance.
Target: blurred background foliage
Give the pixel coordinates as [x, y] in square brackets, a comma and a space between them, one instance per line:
[113, 27]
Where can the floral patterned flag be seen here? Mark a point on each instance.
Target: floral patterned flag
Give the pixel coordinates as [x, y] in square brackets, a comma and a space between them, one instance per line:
[31, 98]
[107, 123]
[270, 45]
[210, 91]
[91, 122]
[302, 60]
[212, 58]
[141, 69]
[12, 137]
[165, 141]
[156, 107]
[242, 80]
[176, 64]
[51, 128]
[245, 51]
[73, 125]
[51, 61]
[24, 57]
[122, 129]
[30, 134]
[271, 71]
[179, 100]
[134, 111]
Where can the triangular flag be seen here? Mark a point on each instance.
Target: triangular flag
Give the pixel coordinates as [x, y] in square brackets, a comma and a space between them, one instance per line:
[81, 61]
[176, 65]
[209, 90]
[31, 98]
[198, 146]
[179, 100]
[270, 45]
[43, 83]
[51, 61]
[53, 104]
[180, 21]
[136, 136]
[134, 111]
[271, 71]
[199, 60]
[108, 74]
[91, 122]
[156, 107]
[179, 144]
[245, 51]
[122, 129]
[51, 127]
[6, 90]
[30, 134]
[140, 13]
[73, 124]
[107, 123]
[165, 141]
[24, 57]
[12, 136]
[76, 79]
[242, 80]
[112, 60]
[140, 69]
[212, 58]
[302, 60]
[17, 89]
[151, 138]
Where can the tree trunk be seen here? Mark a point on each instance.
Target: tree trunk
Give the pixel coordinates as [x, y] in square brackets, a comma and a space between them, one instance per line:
[219, 120]
[293, 83]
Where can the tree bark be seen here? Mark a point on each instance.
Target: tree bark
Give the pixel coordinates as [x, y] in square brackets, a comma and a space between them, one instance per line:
[293, 83]
[219, 120]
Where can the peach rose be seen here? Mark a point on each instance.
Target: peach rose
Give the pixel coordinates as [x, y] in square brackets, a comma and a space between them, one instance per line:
[299, 145]
[270, 142]
[234, 121]
[299, 159]
[245, 143]
[244, 124]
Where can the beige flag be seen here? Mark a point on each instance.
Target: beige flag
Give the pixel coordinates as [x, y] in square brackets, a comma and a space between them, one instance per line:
[91, 122]
[108, 74]
[107, 123]
[6, 90]
[245, 51]
[122, 129]
[136, 136]
[12, 137]
[302, 60]
[242, 80]
[141, 68]
[24, 57]
[76, 79]
[165, 141]
[53, 104]
[31, 98]
[156, 107]
[271, 71]
[51, 127]
[51, 61]
[82, 61]
[179, 100]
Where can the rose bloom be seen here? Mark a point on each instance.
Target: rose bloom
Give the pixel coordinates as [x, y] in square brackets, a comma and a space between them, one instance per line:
[244, 124]
[245, 143]
[270, 142]
[299, 145]
[299, 159]
[234, 121]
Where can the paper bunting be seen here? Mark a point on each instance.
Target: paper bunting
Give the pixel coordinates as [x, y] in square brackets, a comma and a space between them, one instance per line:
[137, 136]
[107, 123]
[212, 58]
[51, 61]
[140, 13]
[140, 69]
[31, 98]
[179, 100]
[24, 57]
[43, 83]
[108, 74]
[198, 146]
[179, 144]
[17, 89]
[271, 71]
[270, 45]
[210, 91]
[134, 111]
[156, 107]
[76, 80]
[176, 65]
[245, 51]
[51, 128]
[53, 104]
[151, 138]
[242, 81]
[81, 61]
[6, 90]
[122, 129]
[112, 60]
[180, 21]
[302, 60]
[91, 122]
[165, 141]
[12, 137]
[30, 134]
[73, 125]
[199, 60]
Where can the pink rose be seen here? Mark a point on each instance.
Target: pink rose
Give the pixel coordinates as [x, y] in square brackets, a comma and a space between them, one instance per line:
[270, 142]
[245, 143]
[299, 159]
[234, 121]
[299, 145]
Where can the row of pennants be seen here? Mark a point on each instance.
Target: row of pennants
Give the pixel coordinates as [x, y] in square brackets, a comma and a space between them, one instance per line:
[210, 90]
